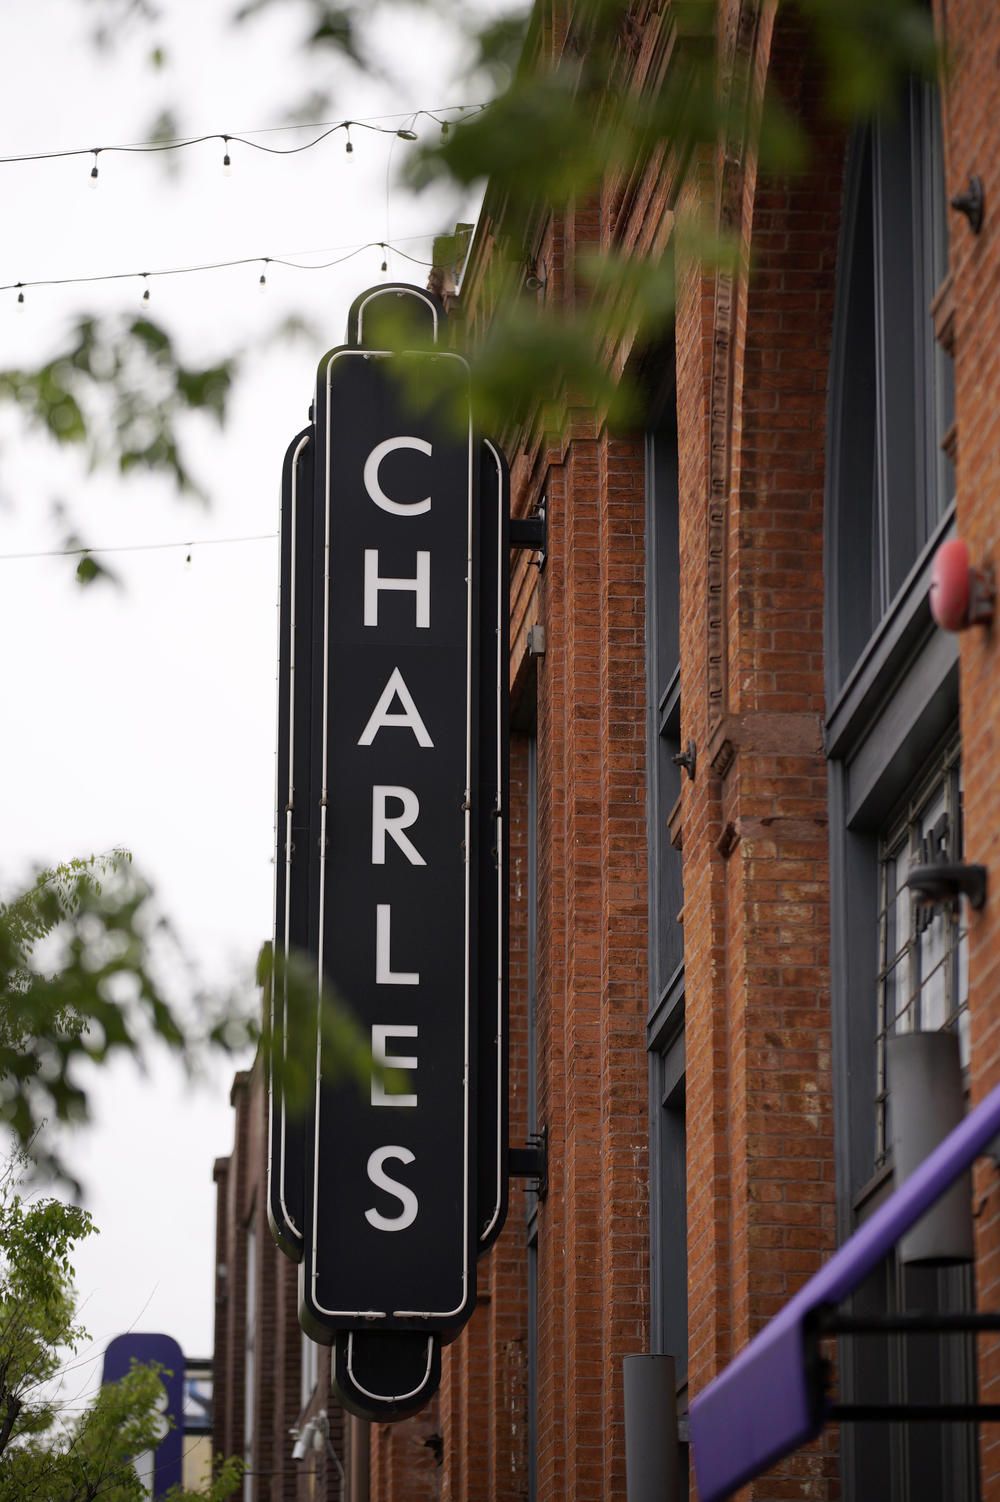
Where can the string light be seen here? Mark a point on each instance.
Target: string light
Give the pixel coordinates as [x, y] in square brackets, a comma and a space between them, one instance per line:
[20, 299]
[262, 284]
[147, 276]
[349, 148]
[141, 547]
[385, 263]
[326, 129]
[93, 171]
[227, 166]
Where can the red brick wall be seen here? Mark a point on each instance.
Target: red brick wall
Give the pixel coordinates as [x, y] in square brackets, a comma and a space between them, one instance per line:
[593, 1236]
[241, 1189]
[404, 1467]
[754, 821]
[752, 361]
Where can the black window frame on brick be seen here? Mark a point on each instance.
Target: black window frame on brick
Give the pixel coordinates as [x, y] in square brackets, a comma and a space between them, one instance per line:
[892, 385]
[665, 1018]
[892, 709]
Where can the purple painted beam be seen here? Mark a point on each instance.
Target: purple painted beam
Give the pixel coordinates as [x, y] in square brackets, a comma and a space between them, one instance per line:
[762, 1405]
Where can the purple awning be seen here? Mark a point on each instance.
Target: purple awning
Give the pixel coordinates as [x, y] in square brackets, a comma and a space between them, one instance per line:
[763, 1405]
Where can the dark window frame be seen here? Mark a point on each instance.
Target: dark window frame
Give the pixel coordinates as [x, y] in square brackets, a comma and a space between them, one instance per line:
[886, 465]
[892, 696]
[665, 1020]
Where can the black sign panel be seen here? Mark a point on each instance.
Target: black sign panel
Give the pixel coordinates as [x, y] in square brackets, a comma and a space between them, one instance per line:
[296, 864]
[383, 1375]
[390, 1207]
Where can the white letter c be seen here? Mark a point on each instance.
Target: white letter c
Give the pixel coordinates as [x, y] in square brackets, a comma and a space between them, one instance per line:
[374, 489]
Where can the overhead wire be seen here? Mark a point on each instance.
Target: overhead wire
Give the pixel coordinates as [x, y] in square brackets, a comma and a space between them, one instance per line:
[404, 131]
[121, 276]
[402, 135]
[140, 547]
[244, 138]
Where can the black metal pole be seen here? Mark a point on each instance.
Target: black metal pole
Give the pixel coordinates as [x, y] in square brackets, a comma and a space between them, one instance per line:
[651, 1472]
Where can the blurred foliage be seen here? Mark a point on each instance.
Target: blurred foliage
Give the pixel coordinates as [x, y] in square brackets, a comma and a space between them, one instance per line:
[38, 1322]
[116, 391]
[302, 1022]
[89, 970]
[92, 1456]
[82, 955]
[41, 1456]
[554, 133]
[557, 132]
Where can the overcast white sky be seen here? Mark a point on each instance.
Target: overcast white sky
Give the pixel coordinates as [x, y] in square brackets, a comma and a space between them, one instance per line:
[143, 716]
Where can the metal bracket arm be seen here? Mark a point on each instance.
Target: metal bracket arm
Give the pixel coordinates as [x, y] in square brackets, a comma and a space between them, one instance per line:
[532, 1162]
[530, 532]
[830, 1322]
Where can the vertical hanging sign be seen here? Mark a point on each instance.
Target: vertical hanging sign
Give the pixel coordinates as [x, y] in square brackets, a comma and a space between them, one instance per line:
[390, 1234]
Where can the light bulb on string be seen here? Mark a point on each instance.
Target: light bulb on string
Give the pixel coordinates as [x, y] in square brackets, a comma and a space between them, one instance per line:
[407, 135]
[227, 166]
[262, 284]
[349, 148]
[145, 293]
[445, 128]
[93, 171]
[20, 298]
[385, 264]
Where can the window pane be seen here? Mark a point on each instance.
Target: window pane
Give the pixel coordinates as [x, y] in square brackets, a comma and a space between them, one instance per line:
[923, 952]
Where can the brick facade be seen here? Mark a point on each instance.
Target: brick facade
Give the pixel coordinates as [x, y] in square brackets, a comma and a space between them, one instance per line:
[752, 351]
[267, 1315]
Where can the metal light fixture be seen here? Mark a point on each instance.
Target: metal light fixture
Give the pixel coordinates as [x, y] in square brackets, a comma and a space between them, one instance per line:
[688, 759]
[537, 278]
[943, 882]
[971, 203]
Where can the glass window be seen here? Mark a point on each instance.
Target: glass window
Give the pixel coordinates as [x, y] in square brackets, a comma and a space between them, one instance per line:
[666, 887]
[665, 1025]
[892, 383]
[923, 952]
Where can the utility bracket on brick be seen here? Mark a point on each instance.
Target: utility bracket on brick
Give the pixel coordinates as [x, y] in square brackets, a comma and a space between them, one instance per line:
[532, 1162]
[531, 532]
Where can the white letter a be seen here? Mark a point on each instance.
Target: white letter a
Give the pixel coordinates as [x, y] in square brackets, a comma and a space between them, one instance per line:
[410, 716]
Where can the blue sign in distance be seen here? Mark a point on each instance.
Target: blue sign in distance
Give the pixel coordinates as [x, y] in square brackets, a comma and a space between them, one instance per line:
[164, 1464]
